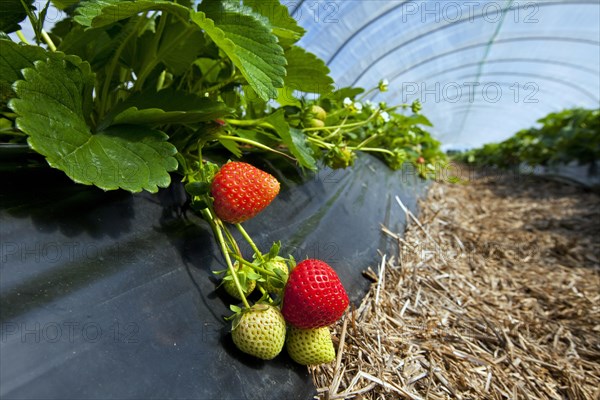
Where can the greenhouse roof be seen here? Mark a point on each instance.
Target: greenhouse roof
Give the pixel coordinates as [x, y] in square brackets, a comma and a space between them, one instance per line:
[482, 69]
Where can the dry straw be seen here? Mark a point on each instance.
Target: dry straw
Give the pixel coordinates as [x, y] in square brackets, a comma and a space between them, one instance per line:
[493, 294]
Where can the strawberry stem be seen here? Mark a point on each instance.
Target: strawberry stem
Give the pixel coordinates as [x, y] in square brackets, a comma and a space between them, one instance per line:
[255, 144]
[254, 266]
[22, 37]
[250, 241]
[373, 150]
[230, 239]
[345, 126]
[48, 40]
[215, 224]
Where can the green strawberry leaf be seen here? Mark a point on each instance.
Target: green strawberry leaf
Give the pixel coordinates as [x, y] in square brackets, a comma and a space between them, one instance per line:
[50, 108]
[247, 40]
[231, 146]
[167, 106]
[242, 280]
[179, 45]
[96, 13]
[291, 262]
[283, 25]
[262, 137]
[157, 116]
[64, 4]
[302, 151]
[274, 251]
[253, 276]
[341, 94]
[306, 72]
[178, 55]
[197, 188]
[12, 13]
[417, 119]
[285, 97]
[275, 282]
[92, 45]
[220, 272]
[280, 273]
[13, 58]
[293, 138]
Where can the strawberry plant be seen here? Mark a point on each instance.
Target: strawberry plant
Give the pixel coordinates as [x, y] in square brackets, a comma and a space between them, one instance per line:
[563, 137]
[130, 94]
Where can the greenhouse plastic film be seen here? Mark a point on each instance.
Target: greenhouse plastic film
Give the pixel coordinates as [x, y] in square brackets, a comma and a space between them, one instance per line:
[482, 69]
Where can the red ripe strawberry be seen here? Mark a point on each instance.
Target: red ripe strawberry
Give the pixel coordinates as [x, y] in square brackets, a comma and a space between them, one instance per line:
[241, 191]
[314, 296]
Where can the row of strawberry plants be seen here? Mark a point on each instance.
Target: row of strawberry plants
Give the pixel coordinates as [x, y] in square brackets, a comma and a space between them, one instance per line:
[140, 90]
[563, 137]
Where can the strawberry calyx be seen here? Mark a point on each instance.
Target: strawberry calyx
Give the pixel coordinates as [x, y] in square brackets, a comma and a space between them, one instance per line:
[271, 272]
[274, 269]
[340, 157]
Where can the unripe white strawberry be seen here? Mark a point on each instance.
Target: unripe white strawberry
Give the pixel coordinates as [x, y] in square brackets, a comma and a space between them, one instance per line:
[315, 123]
[276, 284]
[310, 346]
[259, 331]
[318, 112]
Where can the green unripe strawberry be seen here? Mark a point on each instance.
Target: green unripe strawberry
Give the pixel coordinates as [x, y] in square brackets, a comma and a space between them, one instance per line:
[278, 266]
[314, 117]
[315, 123]
[310, 346]
[244, 277]
[259, 331]
[340, 157]
[318, 112]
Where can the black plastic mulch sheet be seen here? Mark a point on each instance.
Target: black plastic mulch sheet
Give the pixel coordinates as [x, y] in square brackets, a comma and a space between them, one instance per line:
[110, 295]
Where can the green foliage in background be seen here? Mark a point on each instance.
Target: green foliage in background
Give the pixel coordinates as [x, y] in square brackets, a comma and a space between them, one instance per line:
[564, 137]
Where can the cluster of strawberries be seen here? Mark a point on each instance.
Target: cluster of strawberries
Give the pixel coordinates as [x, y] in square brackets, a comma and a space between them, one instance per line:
[299, 302]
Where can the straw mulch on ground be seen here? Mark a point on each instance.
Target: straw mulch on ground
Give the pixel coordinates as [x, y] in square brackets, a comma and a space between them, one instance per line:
[493, 294]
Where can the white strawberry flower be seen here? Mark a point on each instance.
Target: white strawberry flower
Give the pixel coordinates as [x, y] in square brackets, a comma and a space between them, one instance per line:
[353, 106]
[383, 85]
[384, 116]
[369, 105]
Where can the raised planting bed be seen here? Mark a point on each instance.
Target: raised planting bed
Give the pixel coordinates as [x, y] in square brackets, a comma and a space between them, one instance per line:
[111, 295]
